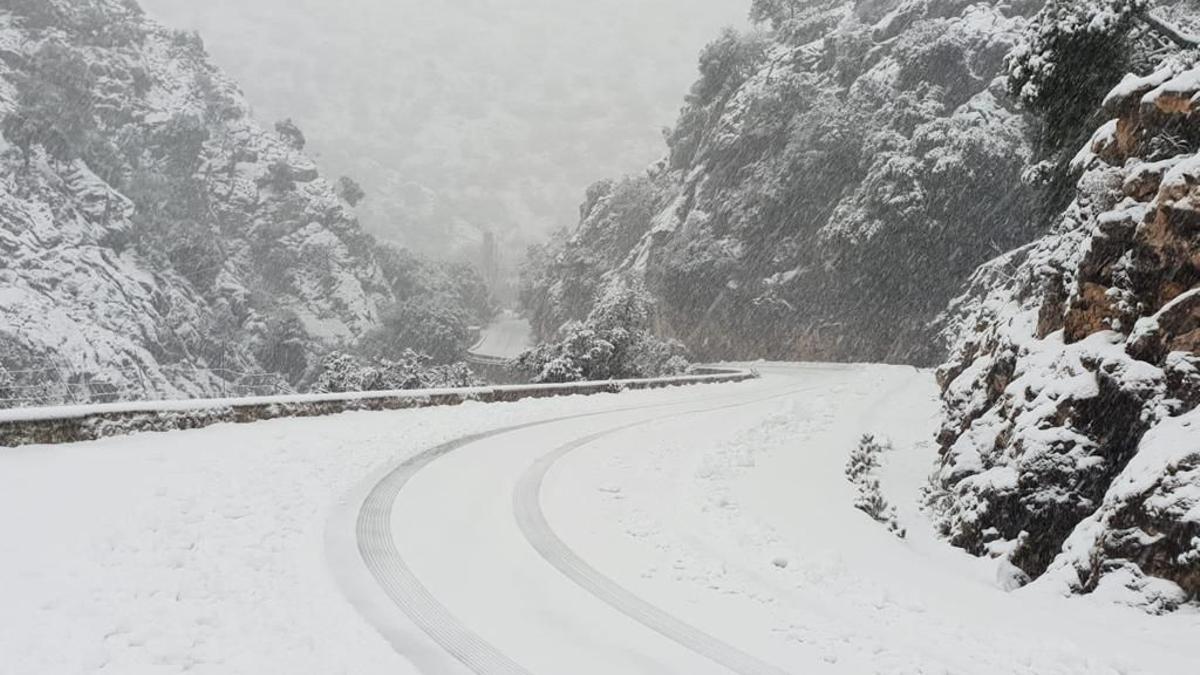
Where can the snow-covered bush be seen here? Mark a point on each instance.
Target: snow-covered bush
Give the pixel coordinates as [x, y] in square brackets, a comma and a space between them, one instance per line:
[1074, 52]
[342, 373]
[799, 21]
[350, 191]
[861, 470]
[55, 110]
[290, 132]
[614, 342]
[433, 325]
[864, 459]
[35, 14]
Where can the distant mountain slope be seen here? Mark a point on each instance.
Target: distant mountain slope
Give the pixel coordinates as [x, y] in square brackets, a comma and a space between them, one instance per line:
[829, 186]
[156, 240]
[460, 116]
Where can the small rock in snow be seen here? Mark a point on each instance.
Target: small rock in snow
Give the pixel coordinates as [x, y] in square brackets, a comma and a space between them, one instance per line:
[1010, 577]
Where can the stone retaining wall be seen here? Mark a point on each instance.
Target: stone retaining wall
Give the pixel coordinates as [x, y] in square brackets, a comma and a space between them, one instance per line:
[71, 424]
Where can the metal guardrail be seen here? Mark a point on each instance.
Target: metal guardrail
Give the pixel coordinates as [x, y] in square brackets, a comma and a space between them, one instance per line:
[26, 426]
[481, 360]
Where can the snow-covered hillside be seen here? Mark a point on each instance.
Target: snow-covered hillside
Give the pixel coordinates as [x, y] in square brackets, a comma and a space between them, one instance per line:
[464, 116]
[1072, 438]
[835, 182]
[829, 185]
[157, 241]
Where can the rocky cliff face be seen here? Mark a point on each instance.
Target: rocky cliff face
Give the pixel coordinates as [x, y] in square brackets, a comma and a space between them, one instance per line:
[1072, 440]
[157, 241]
[829, 187]
[834, 184]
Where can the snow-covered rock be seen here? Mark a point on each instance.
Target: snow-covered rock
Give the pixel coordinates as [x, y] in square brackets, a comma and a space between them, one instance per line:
[1071, 441]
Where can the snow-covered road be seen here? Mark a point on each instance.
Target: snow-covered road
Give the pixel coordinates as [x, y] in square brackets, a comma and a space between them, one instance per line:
[505, 339]
[705, 529]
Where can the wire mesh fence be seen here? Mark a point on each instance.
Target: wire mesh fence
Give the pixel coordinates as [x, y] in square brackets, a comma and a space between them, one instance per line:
[29, 387]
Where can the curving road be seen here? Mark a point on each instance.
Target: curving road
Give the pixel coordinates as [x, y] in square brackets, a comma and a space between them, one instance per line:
[457, 541]
[505, 339]
[527, 507]
[702, 530]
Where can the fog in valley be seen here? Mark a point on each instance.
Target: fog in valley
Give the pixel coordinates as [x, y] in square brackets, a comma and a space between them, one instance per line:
[464, 116]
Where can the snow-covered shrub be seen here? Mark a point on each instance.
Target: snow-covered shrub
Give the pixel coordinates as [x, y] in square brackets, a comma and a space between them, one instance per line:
[350, 191]
[54, 108]
[864, 459]
[615, 342]
[725, 64]
[449, 287]
[291, 133]
[285, 347]
[561, 283]
[1074, 52]
[798, 21]
[342, 373]
[35, 14]
[861, 471]
[434, 325]
[279, 177]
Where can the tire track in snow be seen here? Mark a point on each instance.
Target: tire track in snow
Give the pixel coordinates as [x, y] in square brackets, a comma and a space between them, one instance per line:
[379, 552]
[527, 507]
[377, 545]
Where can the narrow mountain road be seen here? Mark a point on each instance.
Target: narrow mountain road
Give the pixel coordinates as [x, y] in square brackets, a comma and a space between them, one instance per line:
[458, 541]
[490, 554]
[708, 530]
[505, 339]
[694, 531]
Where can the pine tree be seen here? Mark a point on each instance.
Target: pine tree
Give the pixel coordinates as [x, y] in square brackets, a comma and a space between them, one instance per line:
[350, 191]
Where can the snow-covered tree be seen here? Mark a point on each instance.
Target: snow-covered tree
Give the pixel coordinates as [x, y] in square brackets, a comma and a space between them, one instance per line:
[861, 470]
[775, 12]
[798, 21]
[341, 373]
[350, 191]
[614, 342]
[434, 325]
[291, 133]
[55, 106]
[1074, 52]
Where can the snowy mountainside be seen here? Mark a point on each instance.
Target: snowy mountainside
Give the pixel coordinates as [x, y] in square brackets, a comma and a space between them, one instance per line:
[836, 182]
[1071, 443]
[829, 185]
[157, 240]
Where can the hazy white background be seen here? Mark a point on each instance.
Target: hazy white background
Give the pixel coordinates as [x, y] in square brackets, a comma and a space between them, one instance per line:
[459, 115]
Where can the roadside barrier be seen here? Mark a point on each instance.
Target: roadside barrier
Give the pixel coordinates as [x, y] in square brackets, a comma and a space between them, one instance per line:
[69, 424]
